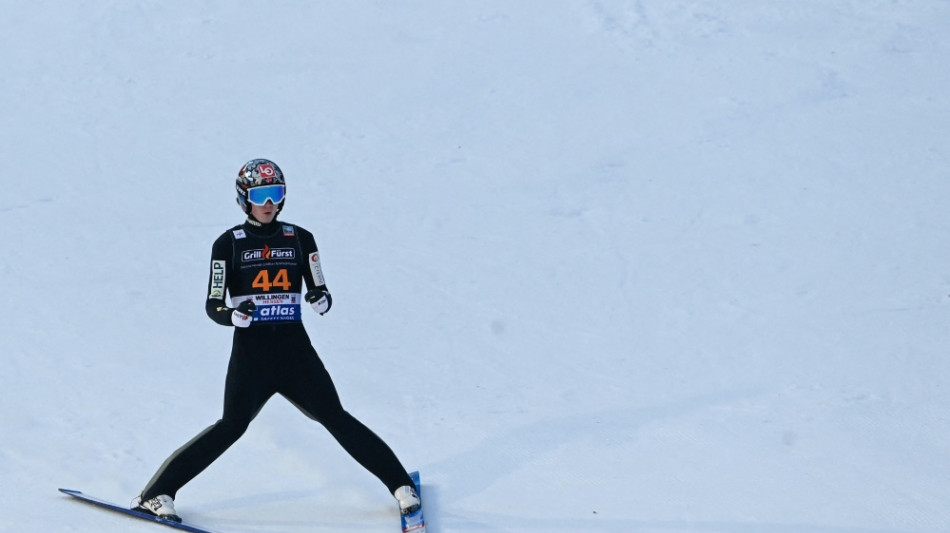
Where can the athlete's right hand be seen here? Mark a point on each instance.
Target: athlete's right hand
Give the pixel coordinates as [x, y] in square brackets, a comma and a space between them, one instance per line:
[241, 316]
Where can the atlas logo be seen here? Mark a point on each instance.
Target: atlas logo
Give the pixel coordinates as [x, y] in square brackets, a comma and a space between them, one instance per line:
[278, 311]
[268, 253]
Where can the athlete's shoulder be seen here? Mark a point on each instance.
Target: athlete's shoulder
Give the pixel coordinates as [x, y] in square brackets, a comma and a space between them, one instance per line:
[235, 232]
[304, 237]
[225, 242]
[297, 227]
[291, 229]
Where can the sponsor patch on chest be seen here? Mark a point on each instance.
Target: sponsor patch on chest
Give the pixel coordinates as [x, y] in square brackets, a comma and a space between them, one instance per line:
[267, 253]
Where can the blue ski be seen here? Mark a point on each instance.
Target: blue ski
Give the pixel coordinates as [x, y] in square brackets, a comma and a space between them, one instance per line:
[414, 522]
[126, 511]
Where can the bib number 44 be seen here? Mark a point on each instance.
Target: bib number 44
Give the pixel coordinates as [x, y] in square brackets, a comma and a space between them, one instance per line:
[264, 282]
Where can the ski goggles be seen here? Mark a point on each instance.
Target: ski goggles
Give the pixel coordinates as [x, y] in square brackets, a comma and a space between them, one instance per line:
[260, 195]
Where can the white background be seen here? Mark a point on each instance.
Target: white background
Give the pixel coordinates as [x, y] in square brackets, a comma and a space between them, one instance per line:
[615, 265]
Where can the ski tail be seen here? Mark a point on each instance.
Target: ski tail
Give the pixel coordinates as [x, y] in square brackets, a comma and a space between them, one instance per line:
[103, 504]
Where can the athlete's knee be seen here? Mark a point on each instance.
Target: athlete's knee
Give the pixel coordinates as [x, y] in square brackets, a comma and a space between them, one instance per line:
[232, 429]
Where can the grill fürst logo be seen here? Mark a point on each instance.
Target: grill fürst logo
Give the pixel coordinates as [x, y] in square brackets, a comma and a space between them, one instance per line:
[267, 253]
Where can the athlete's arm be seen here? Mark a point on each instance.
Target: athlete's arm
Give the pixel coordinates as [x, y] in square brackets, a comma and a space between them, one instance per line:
[317, 293]
[222, 252]
[312, 271]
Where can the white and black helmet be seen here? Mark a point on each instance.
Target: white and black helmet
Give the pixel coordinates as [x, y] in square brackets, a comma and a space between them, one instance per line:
[258, 181]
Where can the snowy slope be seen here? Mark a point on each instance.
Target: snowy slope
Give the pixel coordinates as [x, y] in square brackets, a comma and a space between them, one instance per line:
[597, 265]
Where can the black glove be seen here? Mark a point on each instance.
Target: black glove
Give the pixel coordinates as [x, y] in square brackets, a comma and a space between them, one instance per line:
[320, 300]
[241, 316]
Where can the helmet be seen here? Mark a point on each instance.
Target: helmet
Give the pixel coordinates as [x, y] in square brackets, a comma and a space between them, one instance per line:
[258, 173]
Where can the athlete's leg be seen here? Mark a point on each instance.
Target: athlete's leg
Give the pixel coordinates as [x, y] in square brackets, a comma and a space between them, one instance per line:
[307, 384]
[246, 389]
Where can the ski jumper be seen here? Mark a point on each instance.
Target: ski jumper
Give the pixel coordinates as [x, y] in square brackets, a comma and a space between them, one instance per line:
[268, 263]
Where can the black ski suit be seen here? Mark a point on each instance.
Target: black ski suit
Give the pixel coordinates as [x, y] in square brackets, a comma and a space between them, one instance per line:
[266, 263]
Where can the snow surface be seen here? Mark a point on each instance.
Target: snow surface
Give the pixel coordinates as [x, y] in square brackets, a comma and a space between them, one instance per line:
[597, 265]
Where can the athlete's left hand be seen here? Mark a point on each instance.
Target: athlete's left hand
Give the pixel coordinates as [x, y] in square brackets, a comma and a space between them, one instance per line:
[320, 300]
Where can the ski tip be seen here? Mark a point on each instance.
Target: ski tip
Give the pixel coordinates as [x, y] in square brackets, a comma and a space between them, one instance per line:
[70, 491]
